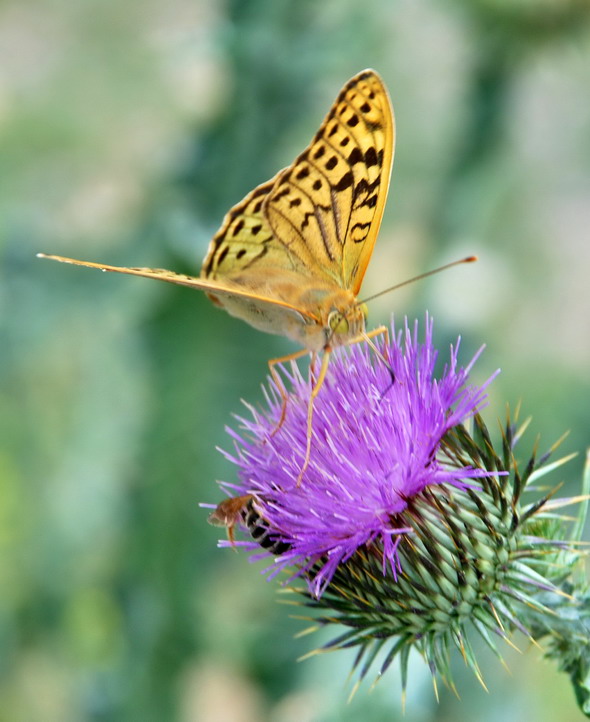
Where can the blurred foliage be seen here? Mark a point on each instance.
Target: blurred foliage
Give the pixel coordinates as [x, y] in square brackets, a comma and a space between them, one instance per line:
[127, 129]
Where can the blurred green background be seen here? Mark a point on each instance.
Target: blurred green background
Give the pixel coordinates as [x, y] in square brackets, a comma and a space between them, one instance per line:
[127, 129]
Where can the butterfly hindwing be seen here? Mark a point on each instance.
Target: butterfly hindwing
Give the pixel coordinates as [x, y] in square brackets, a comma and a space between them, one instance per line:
[244, 239]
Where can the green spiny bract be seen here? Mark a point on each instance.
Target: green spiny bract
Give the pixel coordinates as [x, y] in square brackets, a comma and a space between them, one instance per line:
[477, 561]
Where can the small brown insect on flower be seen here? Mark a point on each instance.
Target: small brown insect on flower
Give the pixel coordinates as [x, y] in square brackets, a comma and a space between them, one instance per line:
[243, 509]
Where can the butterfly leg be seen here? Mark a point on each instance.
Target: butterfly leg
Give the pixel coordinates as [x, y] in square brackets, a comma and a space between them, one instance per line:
[367, 338]
[280, 385]
[379, 331]
[317, 385]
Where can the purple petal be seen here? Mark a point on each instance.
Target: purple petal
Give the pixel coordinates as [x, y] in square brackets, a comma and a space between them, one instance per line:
[375, 445]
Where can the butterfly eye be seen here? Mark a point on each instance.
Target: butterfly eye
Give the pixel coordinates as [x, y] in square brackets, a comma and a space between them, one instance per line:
[337, 322]
[364, 309]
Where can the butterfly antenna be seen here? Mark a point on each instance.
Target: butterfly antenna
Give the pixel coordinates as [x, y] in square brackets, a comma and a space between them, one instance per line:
[469, 259]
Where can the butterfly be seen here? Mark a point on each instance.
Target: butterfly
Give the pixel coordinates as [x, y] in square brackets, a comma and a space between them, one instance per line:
[290, 257]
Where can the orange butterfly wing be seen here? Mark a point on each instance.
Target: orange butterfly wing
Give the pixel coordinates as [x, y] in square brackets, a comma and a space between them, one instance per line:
[318, 219]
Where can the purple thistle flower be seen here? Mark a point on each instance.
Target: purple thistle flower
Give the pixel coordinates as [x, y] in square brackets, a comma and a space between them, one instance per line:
[375, 447]
[410, 530]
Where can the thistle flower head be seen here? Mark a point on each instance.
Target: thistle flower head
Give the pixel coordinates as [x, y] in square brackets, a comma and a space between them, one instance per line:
[377, 428]
[408, 529]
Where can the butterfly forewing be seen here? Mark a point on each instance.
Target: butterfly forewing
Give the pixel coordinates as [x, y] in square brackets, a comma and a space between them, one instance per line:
[317, 220]
[329, 203]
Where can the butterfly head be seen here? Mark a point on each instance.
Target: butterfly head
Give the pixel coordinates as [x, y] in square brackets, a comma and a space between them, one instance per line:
[345, 323]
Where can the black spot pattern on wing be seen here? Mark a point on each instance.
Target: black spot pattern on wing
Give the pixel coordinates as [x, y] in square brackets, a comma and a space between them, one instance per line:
[318, 217]
[243, 240]
[325, 204]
